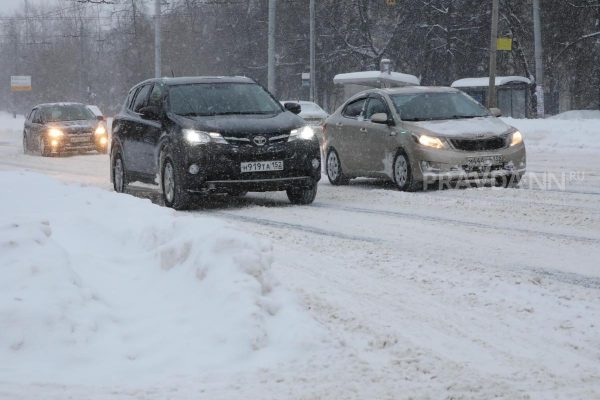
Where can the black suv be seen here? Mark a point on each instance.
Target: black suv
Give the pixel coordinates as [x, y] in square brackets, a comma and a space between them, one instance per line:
[205, 135]
[55, 128]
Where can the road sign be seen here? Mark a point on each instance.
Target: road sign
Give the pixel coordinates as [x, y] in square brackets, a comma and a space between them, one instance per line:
[391, 2]
[306, 79]
[20, 83]
[504, 44]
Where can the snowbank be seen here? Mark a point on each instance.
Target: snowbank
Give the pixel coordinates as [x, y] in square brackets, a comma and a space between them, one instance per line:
[99, 288]
[578, 114]
[8, 122]
[559, 133]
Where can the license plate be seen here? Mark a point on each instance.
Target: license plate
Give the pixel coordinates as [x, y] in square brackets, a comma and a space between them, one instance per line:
[80, 139]
[262, 166]
[484, 161]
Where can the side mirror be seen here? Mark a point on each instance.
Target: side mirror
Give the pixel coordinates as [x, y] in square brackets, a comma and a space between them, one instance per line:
[100, 118]
[380, 118]
[293, 107]
[496, 112]
[150, 112]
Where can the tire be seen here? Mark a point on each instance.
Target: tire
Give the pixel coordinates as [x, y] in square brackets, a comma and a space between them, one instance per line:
[302, 196]
[25, 144]
[174, 195]
[508, 181]
[43, 147]
[119, 173]
[403, 175]
[333, 167]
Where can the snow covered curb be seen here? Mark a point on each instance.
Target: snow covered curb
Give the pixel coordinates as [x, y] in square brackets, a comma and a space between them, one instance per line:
[99, 288]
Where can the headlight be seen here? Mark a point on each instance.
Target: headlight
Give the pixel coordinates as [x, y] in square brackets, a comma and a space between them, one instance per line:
[55, 133]
[516, 138]
[431, 141]
[305, 133]
[100, 130]
[201, 137]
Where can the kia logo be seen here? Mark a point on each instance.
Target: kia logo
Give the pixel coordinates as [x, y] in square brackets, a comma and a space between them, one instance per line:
[260, 140]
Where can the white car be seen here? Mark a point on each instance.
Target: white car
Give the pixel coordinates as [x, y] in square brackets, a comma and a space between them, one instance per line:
[311, 112]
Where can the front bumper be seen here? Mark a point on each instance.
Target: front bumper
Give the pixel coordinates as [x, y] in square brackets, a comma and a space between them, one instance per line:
[67, 143]
[432, 165]
[219, 167]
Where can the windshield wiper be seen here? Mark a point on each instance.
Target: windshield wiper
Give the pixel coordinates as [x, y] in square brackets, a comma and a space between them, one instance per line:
[464, 116]
[244, 113]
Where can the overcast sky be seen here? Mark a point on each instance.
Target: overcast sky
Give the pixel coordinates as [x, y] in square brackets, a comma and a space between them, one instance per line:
[8, 6]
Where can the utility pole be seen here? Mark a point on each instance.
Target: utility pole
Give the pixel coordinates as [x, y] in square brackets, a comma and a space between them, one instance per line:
[539, 63]
[491, 101]
[157, 44]
[271, 48]
[313, 77]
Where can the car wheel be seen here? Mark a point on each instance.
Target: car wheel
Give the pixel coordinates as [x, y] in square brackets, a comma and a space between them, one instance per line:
[43, 147]
[302, 195]
[403, 176]
[25, 144]
[174, 195]
[508, 181]
[334, 169]
[119, 174]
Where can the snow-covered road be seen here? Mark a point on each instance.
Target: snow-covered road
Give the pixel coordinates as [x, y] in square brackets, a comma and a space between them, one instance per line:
[475, 294]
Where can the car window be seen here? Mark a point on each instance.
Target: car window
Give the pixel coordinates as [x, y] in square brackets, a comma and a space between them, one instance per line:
[354, 109]
[30, 115]
[130, 98]
[35, 116]
[140, 98]
[221, 99]
[376, 105]
[156, 96]
[437, 106]
[65, 112]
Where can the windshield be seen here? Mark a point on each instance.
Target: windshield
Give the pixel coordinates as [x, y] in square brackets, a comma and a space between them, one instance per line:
[437, 106]
[221, 99]
[66, 113]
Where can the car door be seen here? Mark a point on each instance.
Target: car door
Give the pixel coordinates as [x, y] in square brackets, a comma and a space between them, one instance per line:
[380, 140]
[349, 135]
[131, 135]
[151, 130]
[36, 128]
[27, 127]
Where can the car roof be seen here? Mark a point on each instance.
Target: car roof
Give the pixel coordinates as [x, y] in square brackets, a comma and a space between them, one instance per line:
[44, 105]
[419, 89]
[186, 80]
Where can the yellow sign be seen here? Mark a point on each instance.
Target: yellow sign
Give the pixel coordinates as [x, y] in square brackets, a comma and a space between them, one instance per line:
[504, 44]
[391, 2]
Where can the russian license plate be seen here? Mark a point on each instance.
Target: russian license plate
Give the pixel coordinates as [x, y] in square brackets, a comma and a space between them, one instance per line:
[262, 166]
[80, 139]
[484, 161]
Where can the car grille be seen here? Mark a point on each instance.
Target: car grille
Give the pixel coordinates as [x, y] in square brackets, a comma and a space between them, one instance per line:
[494, 143]
[273, 138]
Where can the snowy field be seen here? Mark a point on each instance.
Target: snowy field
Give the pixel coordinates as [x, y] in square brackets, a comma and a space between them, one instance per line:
[368, 293]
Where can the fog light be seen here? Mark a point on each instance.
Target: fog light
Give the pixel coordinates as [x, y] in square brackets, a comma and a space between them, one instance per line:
[315, 163]
[103, 141]
[194, 169]
[54, 143]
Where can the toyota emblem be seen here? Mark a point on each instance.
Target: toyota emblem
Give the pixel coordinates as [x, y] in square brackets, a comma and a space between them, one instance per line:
[260, 140]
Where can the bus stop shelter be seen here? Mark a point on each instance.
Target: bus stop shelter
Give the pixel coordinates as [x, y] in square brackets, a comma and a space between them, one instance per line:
[513, 93]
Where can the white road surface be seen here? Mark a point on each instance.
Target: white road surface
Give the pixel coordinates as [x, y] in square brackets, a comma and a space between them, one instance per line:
[448, 294]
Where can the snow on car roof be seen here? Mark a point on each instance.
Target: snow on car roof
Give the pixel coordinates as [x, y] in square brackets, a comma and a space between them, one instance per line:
[485, 81]
[369, 78]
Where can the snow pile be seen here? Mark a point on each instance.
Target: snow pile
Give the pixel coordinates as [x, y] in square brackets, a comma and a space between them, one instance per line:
[553, 133]
[578, 114]
[8, 122]
[103, 288]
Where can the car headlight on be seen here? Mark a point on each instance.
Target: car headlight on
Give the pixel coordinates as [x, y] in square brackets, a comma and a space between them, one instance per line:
[193, 136]
[304, 133]
[516, 138]
[430, 141]
[100, 130]
[55, 133]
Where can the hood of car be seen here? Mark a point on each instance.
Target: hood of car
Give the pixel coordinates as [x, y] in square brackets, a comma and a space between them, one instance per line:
[243, 125]
[74, 126]
[466, 128]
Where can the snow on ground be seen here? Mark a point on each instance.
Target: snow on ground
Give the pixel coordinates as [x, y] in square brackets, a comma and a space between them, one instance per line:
[464, 294]
[578, 115]
[105, 289]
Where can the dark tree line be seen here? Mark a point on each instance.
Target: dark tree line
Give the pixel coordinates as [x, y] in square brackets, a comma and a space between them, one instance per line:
[94, 50]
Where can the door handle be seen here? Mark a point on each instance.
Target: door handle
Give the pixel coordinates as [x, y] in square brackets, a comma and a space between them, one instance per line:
[339, 124]
[363, 130]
